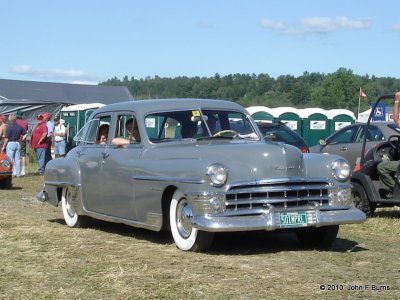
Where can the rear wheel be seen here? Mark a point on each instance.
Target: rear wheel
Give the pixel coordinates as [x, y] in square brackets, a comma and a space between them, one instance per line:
[360, 200]
[186, 237]
[318, 237]
[71, 217]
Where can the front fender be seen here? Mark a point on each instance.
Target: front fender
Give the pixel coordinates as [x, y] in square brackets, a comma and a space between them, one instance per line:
[59, 173]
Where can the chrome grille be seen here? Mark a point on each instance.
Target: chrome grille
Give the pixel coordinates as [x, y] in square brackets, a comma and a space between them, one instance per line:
[279, 195]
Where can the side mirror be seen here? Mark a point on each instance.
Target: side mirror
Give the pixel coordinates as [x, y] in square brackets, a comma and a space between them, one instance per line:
[322, 142]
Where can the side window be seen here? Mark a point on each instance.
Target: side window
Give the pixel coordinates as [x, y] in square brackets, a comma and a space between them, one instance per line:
[127, 129]
[374, 134]
[342, 137]
[88, 133]
[103, 130]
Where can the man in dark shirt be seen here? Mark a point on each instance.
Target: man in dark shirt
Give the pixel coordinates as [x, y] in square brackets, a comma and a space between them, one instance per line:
[11, 142]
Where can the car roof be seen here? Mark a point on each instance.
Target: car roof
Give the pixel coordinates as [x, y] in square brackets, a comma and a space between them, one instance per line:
[145, 106]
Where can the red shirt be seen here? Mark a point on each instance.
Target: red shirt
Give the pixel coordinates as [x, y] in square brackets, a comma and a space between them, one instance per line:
[37, 134]
[22, 123]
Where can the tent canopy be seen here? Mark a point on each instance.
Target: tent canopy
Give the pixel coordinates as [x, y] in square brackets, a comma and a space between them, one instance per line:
[34, 98]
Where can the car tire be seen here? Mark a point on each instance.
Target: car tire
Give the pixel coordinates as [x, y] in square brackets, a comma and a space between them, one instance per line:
[185, 236]
[318, 237]
[71, 217]
[360, 200]
[6, 183]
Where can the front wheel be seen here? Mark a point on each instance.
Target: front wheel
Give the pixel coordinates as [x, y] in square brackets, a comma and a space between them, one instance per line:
[318, 237]
[71, 217]
[186, 237]
[360, 200]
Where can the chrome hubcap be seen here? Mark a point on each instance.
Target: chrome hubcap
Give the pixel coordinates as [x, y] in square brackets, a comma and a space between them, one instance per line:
[184, 215]
[68, 205]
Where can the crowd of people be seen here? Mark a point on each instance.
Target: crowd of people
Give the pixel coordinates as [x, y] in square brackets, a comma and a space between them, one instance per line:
[16, 138]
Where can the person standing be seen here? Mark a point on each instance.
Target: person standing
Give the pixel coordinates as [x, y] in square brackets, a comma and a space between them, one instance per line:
[24, 124]
[13, 134]
[50, 134]
[59, 138]
[40, 143]
[3, 126]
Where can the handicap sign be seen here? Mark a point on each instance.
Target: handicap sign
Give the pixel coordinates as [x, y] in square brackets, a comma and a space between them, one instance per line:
[379, 112]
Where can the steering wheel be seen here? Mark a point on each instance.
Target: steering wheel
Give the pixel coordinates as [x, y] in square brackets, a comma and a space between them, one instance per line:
[394, 141]
[219, 133]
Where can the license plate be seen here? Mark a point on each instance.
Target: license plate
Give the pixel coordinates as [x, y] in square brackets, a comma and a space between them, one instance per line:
[293, 219]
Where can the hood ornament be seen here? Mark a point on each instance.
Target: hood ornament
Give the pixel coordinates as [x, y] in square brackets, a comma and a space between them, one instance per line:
[284, 150]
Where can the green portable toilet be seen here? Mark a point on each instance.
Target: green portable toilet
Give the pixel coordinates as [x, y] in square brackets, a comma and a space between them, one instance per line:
[315, 125]
[288, 116]
[339, 118]
[261, 114]
[75, 117]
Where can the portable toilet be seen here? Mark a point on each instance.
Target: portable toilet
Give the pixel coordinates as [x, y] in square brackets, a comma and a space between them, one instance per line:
[339, 118]
[260, 114]
[288, 116]
[315, 125]
[75, 117]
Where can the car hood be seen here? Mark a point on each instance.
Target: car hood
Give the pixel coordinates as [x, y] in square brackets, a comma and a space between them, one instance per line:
[246, 160]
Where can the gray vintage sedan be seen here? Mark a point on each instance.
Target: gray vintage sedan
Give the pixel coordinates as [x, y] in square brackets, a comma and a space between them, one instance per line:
[196, 167]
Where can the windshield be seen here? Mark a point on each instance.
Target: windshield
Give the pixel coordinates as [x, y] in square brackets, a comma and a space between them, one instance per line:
[199, 124]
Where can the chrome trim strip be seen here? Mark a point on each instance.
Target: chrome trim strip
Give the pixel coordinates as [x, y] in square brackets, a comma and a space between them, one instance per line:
[122, 220]
[279, 180]
[278, 188]
[180, 180]
[63, 183]
[6, 172]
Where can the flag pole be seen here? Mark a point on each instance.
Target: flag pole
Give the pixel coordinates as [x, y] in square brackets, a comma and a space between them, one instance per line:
[359, 97]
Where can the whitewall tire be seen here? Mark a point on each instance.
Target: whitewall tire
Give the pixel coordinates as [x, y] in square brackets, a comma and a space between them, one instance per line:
[186, 237]
[71, 217]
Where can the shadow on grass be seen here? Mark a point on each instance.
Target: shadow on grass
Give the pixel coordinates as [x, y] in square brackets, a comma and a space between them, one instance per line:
[14, 188]
[227, 243]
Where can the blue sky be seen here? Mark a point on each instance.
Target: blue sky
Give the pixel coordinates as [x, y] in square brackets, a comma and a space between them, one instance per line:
[93, 40]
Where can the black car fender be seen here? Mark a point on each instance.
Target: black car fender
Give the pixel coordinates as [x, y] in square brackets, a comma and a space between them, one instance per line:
[366, 182]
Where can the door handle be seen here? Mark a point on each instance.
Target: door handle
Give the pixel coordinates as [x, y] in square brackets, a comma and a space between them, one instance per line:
[105, 154]
[79, 153]
[343, 149]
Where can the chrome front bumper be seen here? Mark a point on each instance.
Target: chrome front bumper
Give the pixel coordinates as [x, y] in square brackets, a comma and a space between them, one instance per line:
[270, 220]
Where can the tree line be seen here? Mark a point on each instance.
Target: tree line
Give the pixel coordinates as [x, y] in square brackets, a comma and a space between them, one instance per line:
[334, 90]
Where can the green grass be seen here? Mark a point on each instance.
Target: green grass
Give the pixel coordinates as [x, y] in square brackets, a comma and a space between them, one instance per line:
[41, 258]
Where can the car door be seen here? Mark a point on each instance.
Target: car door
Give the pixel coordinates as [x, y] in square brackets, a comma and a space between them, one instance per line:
[117, 169]
[343, 143]
[89, 154]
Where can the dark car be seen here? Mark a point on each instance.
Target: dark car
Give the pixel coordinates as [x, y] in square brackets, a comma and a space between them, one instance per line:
[368, 191]
[348, 141]
[277, 132]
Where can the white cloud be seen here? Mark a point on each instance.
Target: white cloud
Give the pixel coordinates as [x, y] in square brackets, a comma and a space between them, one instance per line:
[316, 25]
[56, 74]
[395, 28]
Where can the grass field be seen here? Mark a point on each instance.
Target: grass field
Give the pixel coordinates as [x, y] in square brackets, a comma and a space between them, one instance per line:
[41, 258]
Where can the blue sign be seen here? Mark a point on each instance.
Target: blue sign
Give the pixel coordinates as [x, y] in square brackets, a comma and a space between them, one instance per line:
[379, 112]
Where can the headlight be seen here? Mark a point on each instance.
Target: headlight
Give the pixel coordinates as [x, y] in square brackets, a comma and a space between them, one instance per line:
[341, 169]
[217, 174]
[341, 197]
[5, 163]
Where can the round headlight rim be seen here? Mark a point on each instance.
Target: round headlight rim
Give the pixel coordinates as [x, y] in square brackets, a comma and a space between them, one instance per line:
[211, 177]
[334, 167]
[7, 162]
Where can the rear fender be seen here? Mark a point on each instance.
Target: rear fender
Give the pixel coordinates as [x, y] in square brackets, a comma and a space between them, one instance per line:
[59, 173]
